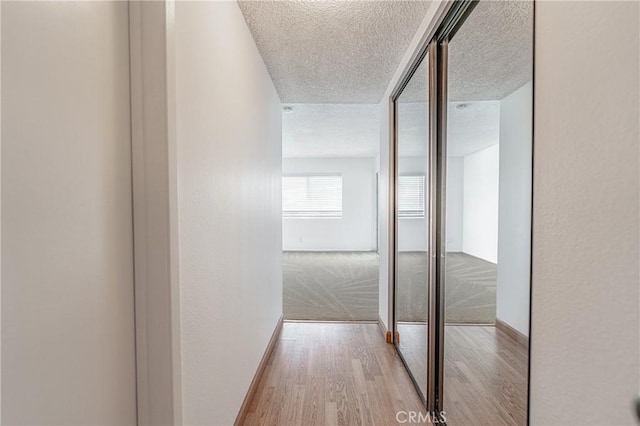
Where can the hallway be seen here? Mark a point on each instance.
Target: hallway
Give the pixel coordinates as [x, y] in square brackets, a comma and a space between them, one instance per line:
[345, 374]
[188, 186]
[332, 374]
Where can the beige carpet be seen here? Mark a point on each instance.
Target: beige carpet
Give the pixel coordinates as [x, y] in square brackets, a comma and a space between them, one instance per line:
[338, 286]
[330, 286]
[470, 289]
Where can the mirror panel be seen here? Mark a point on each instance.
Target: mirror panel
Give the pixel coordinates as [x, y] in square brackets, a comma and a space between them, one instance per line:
[488, 215]
[412, 225]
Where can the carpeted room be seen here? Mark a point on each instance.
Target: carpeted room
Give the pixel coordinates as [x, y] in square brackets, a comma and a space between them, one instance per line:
[343, 286]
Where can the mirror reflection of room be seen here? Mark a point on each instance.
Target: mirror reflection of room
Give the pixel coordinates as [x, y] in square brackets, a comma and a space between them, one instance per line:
[485, 275]
[412, 127]
[488, 212]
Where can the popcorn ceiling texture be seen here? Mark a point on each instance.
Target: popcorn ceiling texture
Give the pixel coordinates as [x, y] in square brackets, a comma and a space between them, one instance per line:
[331, 131]
[325, 55]
[470, 129]
[352, 130]
[347, 51]
[332, 51]
[490, 57]
[492, 54]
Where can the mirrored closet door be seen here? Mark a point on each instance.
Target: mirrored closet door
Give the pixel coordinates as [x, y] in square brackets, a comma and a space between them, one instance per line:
[412, 224]
[462, 278]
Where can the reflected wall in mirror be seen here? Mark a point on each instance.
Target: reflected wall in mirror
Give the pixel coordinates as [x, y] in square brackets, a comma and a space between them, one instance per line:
[412, 226]
[488, 214]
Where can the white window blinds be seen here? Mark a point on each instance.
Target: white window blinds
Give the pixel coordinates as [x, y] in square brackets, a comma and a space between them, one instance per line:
[411, 195]
[312, 196]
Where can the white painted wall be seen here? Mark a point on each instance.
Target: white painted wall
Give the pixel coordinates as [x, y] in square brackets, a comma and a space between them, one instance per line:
[455, 202]
[356, 229]
[585, 348]
[385, 221]
[68, 352]
[480, 212]
[229, 191]
[514, 223]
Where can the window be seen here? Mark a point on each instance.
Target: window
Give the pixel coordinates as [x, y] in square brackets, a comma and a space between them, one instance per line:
[312, 196]
[411, 196]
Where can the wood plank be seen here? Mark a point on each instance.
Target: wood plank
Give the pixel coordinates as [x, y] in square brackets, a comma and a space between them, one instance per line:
[260, 373]
[345, 374]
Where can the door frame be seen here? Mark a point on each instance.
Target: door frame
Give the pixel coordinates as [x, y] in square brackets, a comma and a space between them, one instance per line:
[428, 47]
[155, 206]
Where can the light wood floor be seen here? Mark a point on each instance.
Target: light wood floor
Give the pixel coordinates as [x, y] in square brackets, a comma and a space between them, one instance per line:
[332, 374]
[485, 373]
[345, 374]
[485, 377]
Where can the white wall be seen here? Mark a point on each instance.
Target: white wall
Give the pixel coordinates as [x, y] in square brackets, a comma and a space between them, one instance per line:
[229, 191]
[480, 212]
[356, 229]
[514, 224]
[384, 218]
[455, 202]
[585, 348]
[68, 352]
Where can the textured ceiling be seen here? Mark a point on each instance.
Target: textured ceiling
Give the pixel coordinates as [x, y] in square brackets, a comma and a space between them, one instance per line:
[332, 51]
[489, 57]
[350, 130]
[475, 127]
[492, 53]
[324, 56]
[331, 131]
[472, 127]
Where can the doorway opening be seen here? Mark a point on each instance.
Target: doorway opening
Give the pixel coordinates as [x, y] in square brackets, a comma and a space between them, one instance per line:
[330, 259]
[331, 63]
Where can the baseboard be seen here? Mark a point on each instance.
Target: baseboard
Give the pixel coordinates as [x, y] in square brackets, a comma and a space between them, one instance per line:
[331, 321]
[512, 332]
[244, 409]
[383, 329]
[330, 251]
